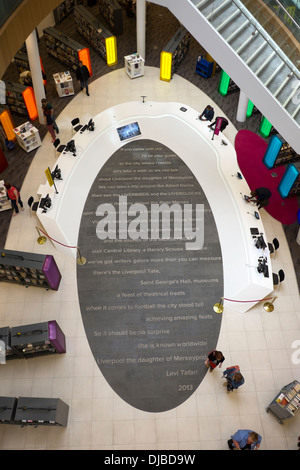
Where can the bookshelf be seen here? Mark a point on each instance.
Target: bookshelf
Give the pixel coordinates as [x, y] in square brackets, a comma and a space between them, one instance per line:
[29, 269]
[32, 411]
[64, 84]
[4, 202]
[178, 46]
[286, 402]
[113, 14]
[15, 98]
[134, 65]
[204, 67]
[27, 136]
[64, 9]
[93, 31]
[28, 341]
[63, 48]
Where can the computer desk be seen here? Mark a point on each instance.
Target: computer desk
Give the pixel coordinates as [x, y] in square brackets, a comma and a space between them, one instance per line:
[212, 161]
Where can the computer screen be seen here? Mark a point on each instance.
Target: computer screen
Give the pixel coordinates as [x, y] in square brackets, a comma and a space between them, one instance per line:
[129, 131]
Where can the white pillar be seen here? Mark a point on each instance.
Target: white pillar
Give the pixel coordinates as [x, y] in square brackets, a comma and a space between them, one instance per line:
[241, 114]
[141, 27]
[36, 72]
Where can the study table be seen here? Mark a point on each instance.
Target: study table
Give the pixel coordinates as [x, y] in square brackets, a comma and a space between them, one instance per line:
[213, 162]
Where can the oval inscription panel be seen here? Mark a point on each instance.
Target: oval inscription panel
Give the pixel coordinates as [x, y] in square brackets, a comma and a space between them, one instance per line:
[153, 273]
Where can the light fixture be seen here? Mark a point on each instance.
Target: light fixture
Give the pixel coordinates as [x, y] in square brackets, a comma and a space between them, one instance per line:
[29, 100]
[7, 124]
[166, 66]
[84, 57]
[111, 51]
[223, 83]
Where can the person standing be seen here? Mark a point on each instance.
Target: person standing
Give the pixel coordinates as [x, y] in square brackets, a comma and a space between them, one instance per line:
[14, 196]
[83, 74]
[48, 106]
[49, 123]
[234, 378]
[214, 358]
[244, 439]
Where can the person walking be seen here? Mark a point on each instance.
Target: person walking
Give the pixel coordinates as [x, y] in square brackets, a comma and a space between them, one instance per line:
[83, 74]
[244, 439]
[234, 378]
[46, 106]
[214, 358]
[14, 196]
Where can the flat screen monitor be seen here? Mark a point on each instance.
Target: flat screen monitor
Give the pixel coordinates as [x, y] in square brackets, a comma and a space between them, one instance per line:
[129, 131]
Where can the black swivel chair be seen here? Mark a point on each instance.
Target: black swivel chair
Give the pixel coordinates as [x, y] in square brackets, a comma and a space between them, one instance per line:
[273, 247]
[58, 148]
[278, 278]
[32, 205]
[75, 125]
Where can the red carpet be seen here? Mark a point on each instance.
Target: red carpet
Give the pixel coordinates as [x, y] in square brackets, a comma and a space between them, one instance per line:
[250, 149]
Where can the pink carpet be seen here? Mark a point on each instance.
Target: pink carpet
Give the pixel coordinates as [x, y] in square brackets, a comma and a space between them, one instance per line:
[250, 149]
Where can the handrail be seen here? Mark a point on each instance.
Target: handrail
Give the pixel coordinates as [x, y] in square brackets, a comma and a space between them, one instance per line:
[268, 38]
[288, 14]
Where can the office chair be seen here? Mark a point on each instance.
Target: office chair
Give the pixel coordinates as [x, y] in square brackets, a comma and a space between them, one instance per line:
[278, 278]
[276, 245]
[281, 276]
[75, 125]
[58, 148]
[32, 205]
[273, 246]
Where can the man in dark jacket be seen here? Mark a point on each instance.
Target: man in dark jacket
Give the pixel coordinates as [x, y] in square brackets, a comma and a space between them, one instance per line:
[83, 74]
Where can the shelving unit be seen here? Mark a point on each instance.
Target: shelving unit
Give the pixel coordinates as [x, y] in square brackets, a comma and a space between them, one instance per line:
[21, 100]
[64, 9]
[27, 136]
[63, 48]
[204, 67]
[134, 65]
[34, 411]
[113, 14]
[178, 47]
[93, 31]
[28, 341]
[8, 351]
[39, 339]
[8, 407]
[21, 61]
[29, 269]
[286, 402]
[64, 84]
[286, 155]
[4, 202]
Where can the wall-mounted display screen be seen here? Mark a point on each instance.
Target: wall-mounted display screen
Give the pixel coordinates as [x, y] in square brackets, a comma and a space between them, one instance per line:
[129, 131]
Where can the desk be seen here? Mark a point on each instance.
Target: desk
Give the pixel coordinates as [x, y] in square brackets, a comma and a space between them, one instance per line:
[213, 164]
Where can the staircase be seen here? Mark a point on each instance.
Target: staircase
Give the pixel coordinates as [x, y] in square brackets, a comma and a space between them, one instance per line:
[240, 45]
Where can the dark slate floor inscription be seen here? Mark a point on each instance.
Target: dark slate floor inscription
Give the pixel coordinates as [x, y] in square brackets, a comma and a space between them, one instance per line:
[147, 304]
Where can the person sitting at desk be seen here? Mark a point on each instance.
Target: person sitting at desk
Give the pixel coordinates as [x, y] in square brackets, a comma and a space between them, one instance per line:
[261, 196]
[224, 123]
[207, 114]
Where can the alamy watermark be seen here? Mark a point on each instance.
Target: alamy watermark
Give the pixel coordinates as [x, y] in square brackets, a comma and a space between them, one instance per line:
[162, 221]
